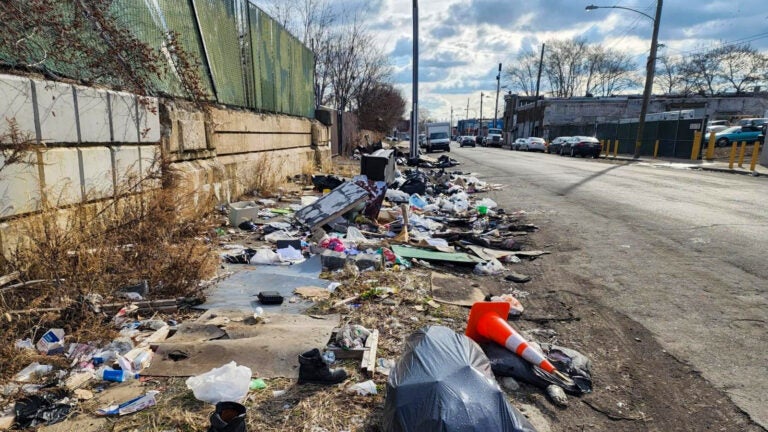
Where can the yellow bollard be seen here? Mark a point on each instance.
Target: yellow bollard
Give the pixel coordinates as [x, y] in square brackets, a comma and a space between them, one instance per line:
[607, 147]
[741, 153]
[696, 145]
[711, 147]
[733, 155]
[755, 152]
[616, 148]
[656, 149]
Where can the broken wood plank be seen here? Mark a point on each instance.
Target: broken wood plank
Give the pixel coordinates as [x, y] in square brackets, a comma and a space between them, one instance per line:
[531, 254]
[369, 357]
[9, 278]
[346, 300]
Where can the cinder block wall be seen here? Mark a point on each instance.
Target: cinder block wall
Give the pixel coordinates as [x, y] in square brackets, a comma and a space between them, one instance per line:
[94, 140]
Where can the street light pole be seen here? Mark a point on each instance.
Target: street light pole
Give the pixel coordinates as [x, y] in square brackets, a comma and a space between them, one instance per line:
[414, 149]
[480, 125]
[496, 110]
[650, 68]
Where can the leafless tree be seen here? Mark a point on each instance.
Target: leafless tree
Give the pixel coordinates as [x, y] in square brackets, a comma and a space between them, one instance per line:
[565, 66]
[523, 72]
[609, 71]
[740, 66]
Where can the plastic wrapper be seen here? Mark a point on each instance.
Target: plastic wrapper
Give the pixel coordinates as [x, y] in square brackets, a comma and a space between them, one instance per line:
[443, 382]
[134, 405]
[226, 383]
[40, 410]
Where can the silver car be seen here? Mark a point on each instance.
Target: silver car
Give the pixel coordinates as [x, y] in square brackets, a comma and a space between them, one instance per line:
[534, 144]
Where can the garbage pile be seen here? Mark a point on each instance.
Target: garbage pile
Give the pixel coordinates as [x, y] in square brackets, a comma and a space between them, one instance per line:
[429, 217]
[44, 393]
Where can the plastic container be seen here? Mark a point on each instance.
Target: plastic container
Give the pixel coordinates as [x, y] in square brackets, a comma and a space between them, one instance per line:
[482, 209]
[116, 375]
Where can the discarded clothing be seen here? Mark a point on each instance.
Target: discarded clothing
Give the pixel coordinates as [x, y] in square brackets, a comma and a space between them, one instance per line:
[570, 362]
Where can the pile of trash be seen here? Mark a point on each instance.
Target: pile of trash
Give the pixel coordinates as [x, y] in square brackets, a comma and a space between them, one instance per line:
[425, 216]
[44, 394]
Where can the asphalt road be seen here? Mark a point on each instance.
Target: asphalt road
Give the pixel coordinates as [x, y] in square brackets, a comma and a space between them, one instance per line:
[684, 253]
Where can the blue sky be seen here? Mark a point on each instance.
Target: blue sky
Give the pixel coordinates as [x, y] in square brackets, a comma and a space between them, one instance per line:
[462, 41]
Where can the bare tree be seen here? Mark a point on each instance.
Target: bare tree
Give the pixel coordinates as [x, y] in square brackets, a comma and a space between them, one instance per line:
[523, 72]
[612, 71]
[702, 68]
[740, 66]
[565, 66]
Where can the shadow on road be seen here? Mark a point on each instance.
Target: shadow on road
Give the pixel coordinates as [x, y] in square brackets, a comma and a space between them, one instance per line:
[580, 183]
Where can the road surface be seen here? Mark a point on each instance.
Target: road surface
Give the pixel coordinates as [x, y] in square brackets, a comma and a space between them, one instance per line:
[684, 253]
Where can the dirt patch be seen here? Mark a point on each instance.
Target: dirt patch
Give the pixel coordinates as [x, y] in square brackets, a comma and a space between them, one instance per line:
[637, 384]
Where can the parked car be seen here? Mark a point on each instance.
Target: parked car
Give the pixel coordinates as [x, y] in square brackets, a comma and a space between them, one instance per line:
[724, 138]
[556, 144]
[534, 144]
[467, 141]
[581, 146]
[516, 144]
[753, 122]
[422, 140]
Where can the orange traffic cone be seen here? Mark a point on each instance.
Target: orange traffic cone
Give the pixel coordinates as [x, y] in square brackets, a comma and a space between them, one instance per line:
[487, 321]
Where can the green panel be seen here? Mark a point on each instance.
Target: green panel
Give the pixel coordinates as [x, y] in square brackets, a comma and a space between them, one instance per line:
[267, 62]
[272, 70]
[218, 25]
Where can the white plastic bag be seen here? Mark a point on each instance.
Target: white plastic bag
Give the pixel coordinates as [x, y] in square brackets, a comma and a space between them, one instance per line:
[491, 267]
[226, 383]
[266, 257]
[487, 203]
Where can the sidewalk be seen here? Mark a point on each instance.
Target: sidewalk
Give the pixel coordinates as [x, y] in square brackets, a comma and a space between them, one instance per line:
[716, 165]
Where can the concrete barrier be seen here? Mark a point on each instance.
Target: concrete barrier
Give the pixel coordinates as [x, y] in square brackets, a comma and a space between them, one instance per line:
[94, 143]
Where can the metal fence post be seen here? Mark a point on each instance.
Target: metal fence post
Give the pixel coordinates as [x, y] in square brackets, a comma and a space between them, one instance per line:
[205, 49]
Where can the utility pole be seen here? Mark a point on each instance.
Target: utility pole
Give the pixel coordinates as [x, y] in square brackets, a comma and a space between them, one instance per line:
[650, 68]
[496, 110]
[480, 125]
[538, 81]
[451, 123]
[467, 117]
[414, 154]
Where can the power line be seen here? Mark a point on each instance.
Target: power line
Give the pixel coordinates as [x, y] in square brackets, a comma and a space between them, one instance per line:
[725, 44]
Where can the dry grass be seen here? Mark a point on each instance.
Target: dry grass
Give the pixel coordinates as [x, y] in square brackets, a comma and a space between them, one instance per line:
[94, 249]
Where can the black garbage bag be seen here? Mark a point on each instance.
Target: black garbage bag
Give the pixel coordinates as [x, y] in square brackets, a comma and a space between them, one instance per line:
[415, 183]
[444, 383]
[322, 182]
[445, 161]
[570, 362]
[39, 410]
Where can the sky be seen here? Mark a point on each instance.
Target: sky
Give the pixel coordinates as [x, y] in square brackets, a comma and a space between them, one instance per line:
[461, 42]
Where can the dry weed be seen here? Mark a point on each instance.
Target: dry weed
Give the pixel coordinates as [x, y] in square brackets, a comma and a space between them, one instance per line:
[96, 248]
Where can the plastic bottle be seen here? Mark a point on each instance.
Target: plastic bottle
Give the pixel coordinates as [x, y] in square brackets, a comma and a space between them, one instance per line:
[116, 375]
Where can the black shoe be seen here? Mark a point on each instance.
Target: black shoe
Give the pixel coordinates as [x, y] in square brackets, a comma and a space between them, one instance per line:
[228, 417]
[312, 369]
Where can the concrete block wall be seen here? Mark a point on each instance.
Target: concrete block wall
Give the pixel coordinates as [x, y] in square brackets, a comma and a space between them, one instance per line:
[90, 140]
[94, 141]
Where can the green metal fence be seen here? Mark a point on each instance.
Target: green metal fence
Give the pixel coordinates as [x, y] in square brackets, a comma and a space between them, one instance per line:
[241, 55]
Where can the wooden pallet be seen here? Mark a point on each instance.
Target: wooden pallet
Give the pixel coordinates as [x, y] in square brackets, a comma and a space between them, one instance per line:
[366, 355]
